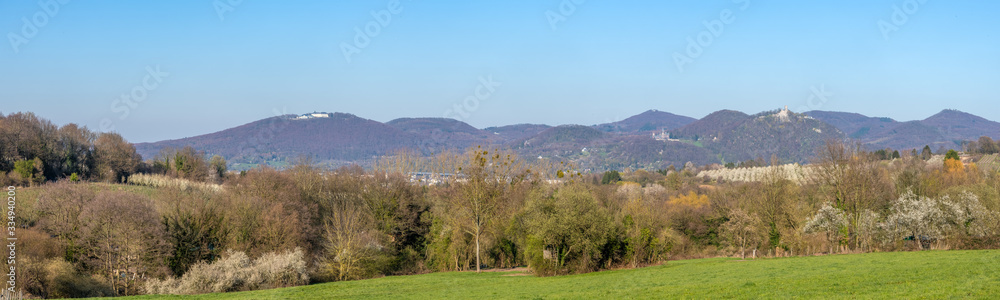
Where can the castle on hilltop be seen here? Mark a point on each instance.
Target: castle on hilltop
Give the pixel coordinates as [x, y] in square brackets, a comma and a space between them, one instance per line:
[783, 114]
[663, 136]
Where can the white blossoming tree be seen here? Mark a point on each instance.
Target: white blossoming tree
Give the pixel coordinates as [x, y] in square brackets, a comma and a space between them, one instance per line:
[967, 216]
[917, 217]
[829, 221]
[868, 229]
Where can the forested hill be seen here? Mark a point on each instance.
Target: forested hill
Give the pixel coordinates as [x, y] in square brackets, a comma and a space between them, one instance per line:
[652, 139]
[735, 136]
[338, 137]
[650, 120]
[947, 129]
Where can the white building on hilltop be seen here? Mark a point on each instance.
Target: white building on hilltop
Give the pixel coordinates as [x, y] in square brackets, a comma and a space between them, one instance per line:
[313, 115]
[663, 136]
[783, 114]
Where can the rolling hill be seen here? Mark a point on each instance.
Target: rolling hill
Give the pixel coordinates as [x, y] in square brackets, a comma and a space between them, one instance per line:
[947, 129]
[957, 125]
[723, 136]
[338, 138]
[650, 120]
[511, 133]
[438, 134]
[735, 136]
[854, 124]
[643, 152]
[562, 140]
[712, 125]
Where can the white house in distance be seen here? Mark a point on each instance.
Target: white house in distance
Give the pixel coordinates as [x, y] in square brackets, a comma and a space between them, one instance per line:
[313, 115]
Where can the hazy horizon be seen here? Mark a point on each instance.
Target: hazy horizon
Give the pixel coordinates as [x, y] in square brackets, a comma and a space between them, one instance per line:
[203, 67]
[239, 123]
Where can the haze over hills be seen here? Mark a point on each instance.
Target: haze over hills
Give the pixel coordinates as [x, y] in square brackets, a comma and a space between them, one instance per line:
[438, 134]
[947, 129]
[650, 120]
[735, 136]
[713, 123]
[518, 131]
[652, 139]
[338, 138]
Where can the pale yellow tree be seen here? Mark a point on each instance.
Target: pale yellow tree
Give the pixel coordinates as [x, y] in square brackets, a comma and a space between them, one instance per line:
[347, 231]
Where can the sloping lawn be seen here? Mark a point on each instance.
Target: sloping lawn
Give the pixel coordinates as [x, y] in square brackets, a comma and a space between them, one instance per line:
[926, 274]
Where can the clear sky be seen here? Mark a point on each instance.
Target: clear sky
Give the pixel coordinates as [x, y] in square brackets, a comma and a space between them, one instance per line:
[193, 67]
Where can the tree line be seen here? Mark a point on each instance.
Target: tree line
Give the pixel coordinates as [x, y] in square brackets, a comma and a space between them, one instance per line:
[33, 150]
[138, 232]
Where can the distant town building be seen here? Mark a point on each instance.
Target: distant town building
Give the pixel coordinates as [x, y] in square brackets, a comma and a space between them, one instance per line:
[431, 178]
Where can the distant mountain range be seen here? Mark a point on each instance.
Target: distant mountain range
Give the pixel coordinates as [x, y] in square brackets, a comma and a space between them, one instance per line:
[652, 139]
[948, 129]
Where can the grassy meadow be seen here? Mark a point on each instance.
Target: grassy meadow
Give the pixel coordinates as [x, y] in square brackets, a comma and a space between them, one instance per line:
[925, 274]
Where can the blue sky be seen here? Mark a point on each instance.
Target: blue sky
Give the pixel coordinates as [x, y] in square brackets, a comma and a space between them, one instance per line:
[203, 66]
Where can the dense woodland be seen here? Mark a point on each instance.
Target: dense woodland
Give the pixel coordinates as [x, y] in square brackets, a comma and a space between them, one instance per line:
[95, 219]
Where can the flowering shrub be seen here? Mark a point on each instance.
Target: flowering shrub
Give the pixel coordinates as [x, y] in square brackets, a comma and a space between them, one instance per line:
[967, 216]
[829, 221]
[237, 272]
[155, 180]
[917, 217]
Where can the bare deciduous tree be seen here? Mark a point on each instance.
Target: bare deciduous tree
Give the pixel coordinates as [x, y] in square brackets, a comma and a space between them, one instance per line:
[742, 230]
[123, 239]
[854, 182]
[774, 204]
[116, 157]
[486, 180]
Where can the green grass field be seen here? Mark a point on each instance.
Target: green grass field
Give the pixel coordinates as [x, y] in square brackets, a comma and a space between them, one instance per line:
[927, 274]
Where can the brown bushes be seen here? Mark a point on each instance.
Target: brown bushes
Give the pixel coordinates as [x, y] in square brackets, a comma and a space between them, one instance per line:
[122, 239]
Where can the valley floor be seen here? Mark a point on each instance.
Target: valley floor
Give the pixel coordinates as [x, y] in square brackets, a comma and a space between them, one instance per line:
[925, 274]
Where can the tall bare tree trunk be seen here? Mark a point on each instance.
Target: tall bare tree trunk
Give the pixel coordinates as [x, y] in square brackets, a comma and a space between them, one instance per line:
[477, 249]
